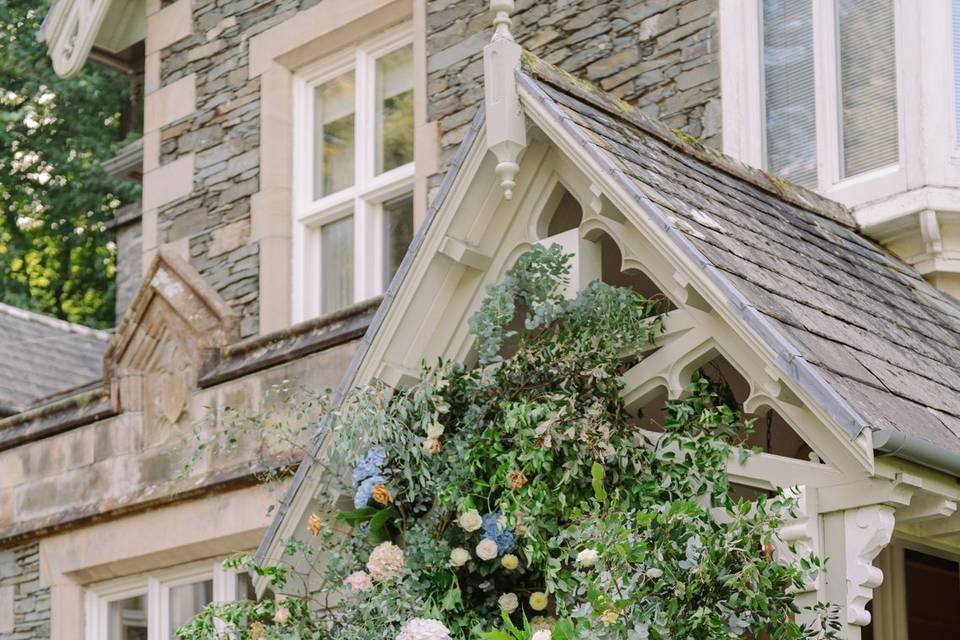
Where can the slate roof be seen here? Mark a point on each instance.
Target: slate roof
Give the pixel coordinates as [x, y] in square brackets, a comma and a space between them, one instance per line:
[880, 343]
[885, 340]
[42, 356]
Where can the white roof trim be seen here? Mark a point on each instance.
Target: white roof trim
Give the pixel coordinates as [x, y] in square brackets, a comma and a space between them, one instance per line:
[70, 29]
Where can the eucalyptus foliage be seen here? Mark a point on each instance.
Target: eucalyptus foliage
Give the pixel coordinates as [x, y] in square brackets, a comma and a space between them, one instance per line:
[517, 499]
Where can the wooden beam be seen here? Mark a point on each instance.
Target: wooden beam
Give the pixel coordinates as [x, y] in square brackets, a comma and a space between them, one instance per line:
[925, 508]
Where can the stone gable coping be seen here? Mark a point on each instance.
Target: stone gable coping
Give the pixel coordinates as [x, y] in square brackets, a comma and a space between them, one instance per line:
[56, 417]
[292, 343]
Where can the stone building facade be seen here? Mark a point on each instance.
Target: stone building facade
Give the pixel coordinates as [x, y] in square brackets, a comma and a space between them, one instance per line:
[212, 276]
[214, 221]
[662, 56]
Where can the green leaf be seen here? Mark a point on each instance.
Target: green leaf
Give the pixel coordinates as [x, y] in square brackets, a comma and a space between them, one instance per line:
[358, 515]
[598, 475]
[452, 599]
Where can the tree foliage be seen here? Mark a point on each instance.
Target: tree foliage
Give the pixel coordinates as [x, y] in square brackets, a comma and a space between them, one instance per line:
[517, 500]
[56, 254]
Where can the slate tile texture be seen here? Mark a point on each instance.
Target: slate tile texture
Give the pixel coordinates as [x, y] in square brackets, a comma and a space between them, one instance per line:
[41, 356]
[886, 340]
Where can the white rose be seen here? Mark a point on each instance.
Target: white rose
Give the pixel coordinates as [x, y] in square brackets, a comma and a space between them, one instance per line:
[543, 634]
[654, 573]
[470, 520]
[459, 557]
[435, 430]
[509, 602]
[587, 558]
[487, 549]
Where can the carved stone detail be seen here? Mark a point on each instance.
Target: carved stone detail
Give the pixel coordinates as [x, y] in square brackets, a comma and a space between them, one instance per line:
[867, 531]
[174, 323]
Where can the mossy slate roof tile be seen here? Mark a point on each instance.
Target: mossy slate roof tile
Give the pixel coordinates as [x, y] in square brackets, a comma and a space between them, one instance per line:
[42, 356]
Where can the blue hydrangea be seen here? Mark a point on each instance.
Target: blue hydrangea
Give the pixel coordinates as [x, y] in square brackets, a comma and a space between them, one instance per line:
[365, 490]
[506, 541]
[370, 464]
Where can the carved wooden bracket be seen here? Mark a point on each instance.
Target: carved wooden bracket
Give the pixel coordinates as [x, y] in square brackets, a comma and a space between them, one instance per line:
[867, 531]
[801, 531]
[70, 31]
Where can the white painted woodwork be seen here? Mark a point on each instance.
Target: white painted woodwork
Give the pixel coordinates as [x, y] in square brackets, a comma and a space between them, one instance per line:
[506, 125]
[364, 199]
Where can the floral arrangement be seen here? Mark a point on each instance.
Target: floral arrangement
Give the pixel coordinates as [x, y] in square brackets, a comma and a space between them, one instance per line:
[514, 499]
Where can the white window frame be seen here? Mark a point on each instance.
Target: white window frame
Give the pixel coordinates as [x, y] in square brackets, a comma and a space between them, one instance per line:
[743, 96]
[156, 586]
[365, 199]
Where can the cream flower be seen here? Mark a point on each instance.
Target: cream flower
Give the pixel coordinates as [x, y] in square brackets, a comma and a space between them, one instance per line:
[435, 430]
[538, 601]
[424, 629]
[470, 520]
[459, 557]
[653, 573]
[359, 581]
[609, 616]
[487, 549]
[432, 446]
[587, 558]
[543, 634]
[510, 562]
[282, 615]
[385, 562]
[509, 602]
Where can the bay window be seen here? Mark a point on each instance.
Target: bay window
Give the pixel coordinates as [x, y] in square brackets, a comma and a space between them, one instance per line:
[153, 606]
[813, 94]
[955, 38]
[353, 173]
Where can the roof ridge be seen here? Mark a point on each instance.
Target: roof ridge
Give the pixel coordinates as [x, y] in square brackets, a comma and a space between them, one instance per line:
[53, 323]
[795, 194]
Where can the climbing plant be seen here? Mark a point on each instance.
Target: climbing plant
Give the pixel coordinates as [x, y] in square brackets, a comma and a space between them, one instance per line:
[515, 498]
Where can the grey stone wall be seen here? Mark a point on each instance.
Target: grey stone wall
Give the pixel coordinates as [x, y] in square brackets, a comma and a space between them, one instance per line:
[224, 134]
[129, 257]
[661, 55]
[28, 611]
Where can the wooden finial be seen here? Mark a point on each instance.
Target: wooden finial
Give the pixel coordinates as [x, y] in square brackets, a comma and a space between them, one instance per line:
[502, 20]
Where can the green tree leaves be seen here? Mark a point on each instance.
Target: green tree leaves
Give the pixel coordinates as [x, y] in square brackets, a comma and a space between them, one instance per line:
[56, 254]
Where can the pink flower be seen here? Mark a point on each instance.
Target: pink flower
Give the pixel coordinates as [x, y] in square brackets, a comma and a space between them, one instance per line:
[359, 581]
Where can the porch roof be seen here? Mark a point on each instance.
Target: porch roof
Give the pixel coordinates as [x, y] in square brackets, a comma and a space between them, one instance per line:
[884, 339]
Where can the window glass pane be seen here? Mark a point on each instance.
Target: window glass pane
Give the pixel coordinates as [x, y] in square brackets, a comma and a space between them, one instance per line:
[394, 144]
[336, 265]
[127, 619]
[868, 84]
[397, 232]
[186, 601]
[334, 112]
[956, 67]
[790, 113]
